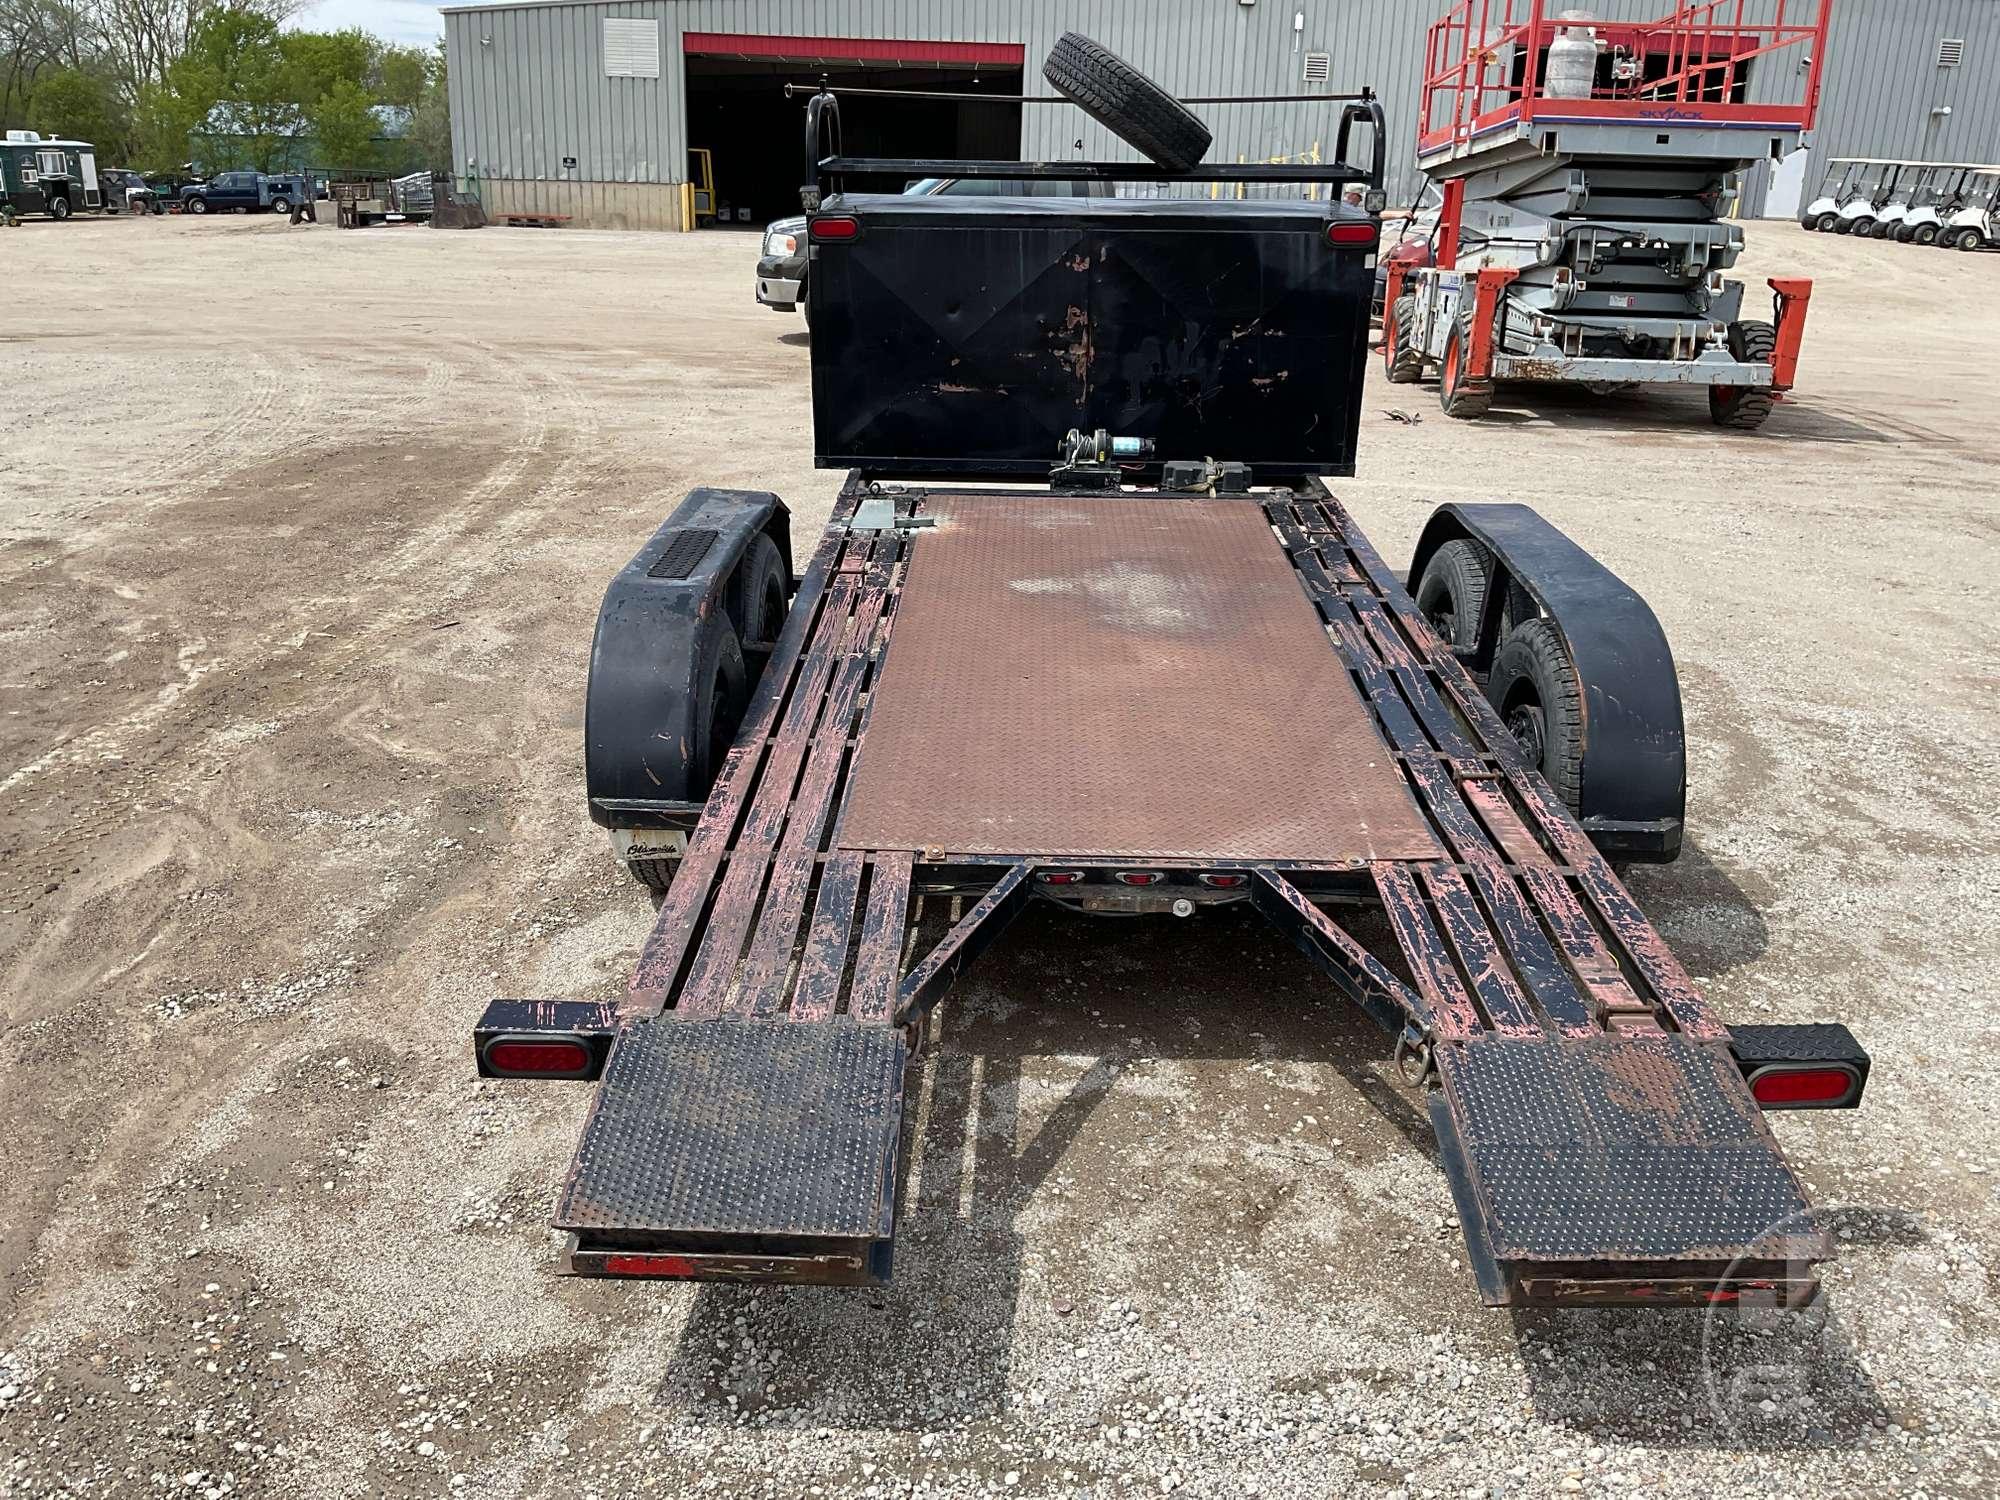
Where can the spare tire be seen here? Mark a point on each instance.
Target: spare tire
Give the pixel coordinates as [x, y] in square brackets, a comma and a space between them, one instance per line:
[1126, 102]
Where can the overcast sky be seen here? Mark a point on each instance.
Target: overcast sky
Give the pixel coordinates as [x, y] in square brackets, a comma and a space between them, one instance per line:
[410, 22]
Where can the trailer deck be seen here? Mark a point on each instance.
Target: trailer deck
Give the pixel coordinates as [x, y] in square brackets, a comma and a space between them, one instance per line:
[1003, 694]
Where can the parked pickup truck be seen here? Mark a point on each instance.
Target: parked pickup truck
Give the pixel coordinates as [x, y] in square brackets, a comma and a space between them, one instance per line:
[244, 192]
[781, 269]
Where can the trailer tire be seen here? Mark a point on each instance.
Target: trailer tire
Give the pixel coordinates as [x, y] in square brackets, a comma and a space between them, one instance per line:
[1126, 102]
[722, 694]
[1745, 407]
[1400, 356]
[59, 208]
[1452, 593]
[1539, 696]
[1459, 396]
[759, 594]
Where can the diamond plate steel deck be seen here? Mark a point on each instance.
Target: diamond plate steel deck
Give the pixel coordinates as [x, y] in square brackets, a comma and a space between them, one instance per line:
[742, 1127]
[1123, 677]
[1642, 1148]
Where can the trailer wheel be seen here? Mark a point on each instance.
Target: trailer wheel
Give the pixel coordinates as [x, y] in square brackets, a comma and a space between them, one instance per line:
[1540, 698]
[1452, 592]
[1126, 102]
[1405, 365]
[759, 595]
[1458, 394]
[59, 209]
[1745, 406]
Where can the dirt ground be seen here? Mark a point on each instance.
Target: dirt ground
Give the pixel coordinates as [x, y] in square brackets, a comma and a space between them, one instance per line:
[302, 534]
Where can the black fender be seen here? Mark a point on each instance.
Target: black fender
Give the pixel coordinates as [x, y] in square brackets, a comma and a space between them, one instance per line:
[1635, 747]
[658, 626]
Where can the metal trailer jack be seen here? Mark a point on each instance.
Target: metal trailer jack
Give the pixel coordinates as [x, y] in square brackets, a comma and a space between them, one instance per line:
[1586, 168]
[994, 682]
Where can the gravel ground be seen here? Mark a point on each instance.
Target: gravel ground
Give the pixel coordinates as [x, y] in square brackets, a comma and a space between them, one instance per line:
[295, 599]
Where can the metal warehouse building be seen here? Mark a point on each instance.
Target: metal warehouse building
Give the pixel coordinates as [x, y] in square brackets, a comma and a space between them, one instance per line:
[590, 108]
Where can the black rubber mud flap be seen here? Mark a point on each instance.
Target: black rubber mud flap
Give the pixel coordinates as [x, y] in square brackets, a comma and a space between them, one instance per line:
[1126, 102]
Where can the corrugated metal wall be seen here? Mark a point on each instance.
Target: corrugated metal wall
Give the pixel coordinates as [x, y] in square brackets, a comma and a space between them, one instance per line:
[1882, 82]
[528, 86]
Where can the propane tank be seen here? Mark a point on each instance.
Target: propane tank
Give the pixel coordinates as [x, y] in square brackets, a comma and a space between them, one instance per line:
[1572, 69]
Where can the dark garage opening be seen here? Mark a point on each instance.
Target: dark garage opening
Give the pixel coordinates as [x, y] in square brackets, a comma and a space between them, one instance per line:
[737, 109]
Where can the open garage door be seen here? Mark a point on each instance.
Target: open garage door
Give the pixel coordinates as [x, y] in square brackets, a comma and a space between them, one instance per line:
[737, 109]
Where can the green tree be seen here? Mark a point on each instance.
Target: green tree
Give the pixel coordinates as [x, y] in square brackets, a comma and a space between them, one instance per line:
[80, 106]
[430, 125]
[342, 121]
[401, 76]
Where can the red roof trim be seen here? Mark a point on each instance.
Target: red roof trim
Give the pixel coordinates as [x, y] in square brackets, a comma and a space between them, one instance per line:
[851, 49]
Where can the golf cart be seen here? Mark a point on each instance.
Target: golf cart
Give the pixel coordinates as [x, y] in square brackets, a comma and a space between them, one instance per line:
[1975, 225]
[1848, 192]
[1939, 193]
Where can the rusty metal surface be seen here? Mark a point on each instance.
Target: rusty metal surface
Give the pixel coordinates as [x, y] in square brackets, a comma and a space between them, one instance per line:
[1621, 1148]
[1127, 677]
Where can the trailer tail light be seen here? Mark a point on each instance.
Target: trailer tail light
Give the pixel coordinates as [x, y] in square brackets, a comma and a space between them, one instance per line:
[649, 1265]
[1059, 877]
[1138, 877]
[1351, 235]
[1224, 882]
[538, 1057]
[1815, 1087]
[835, 227]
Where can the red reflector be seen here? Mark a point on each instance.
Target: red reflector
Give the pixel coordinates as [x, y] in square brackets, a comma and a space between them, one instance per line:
[835, 227]
[539, 1057]
[1802, 1085]
[1225, 882]
[1059, 877]
[1139, 877]
[1351, 233]
[649, 1265]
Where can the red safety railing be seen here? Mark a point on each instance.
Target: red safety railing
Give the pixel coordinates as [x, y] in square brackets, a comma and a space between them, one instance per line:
[1486, 67]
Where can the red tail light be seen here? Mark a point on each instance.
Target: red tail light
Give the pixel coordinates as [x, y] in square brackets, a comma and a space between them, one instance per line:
[1138, 877]
[1059, 877]
[1797, 1088]
[649, 1265]
[1351, 233]
[1224, 882]
[835, 227]
[538, 1057]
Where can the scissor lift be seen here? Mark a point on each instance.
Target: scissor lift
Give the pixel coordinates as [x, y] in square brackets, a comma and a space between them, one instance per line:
[1146, 685]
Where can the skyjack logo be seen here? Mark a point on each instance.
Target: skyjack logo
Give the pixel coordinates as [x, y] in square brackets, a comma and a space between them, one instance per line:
[1669, 113]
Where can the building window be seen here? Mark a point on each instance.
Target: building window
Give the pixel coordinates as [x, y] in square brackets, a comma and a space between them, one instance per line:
[1951, 51]
[631, 49]
[52, 163]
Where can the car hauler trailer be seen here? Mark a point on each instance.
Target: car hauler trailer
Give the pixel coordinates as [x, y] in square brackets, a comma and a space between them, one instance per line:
[1586, 169]
[1086, 626]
